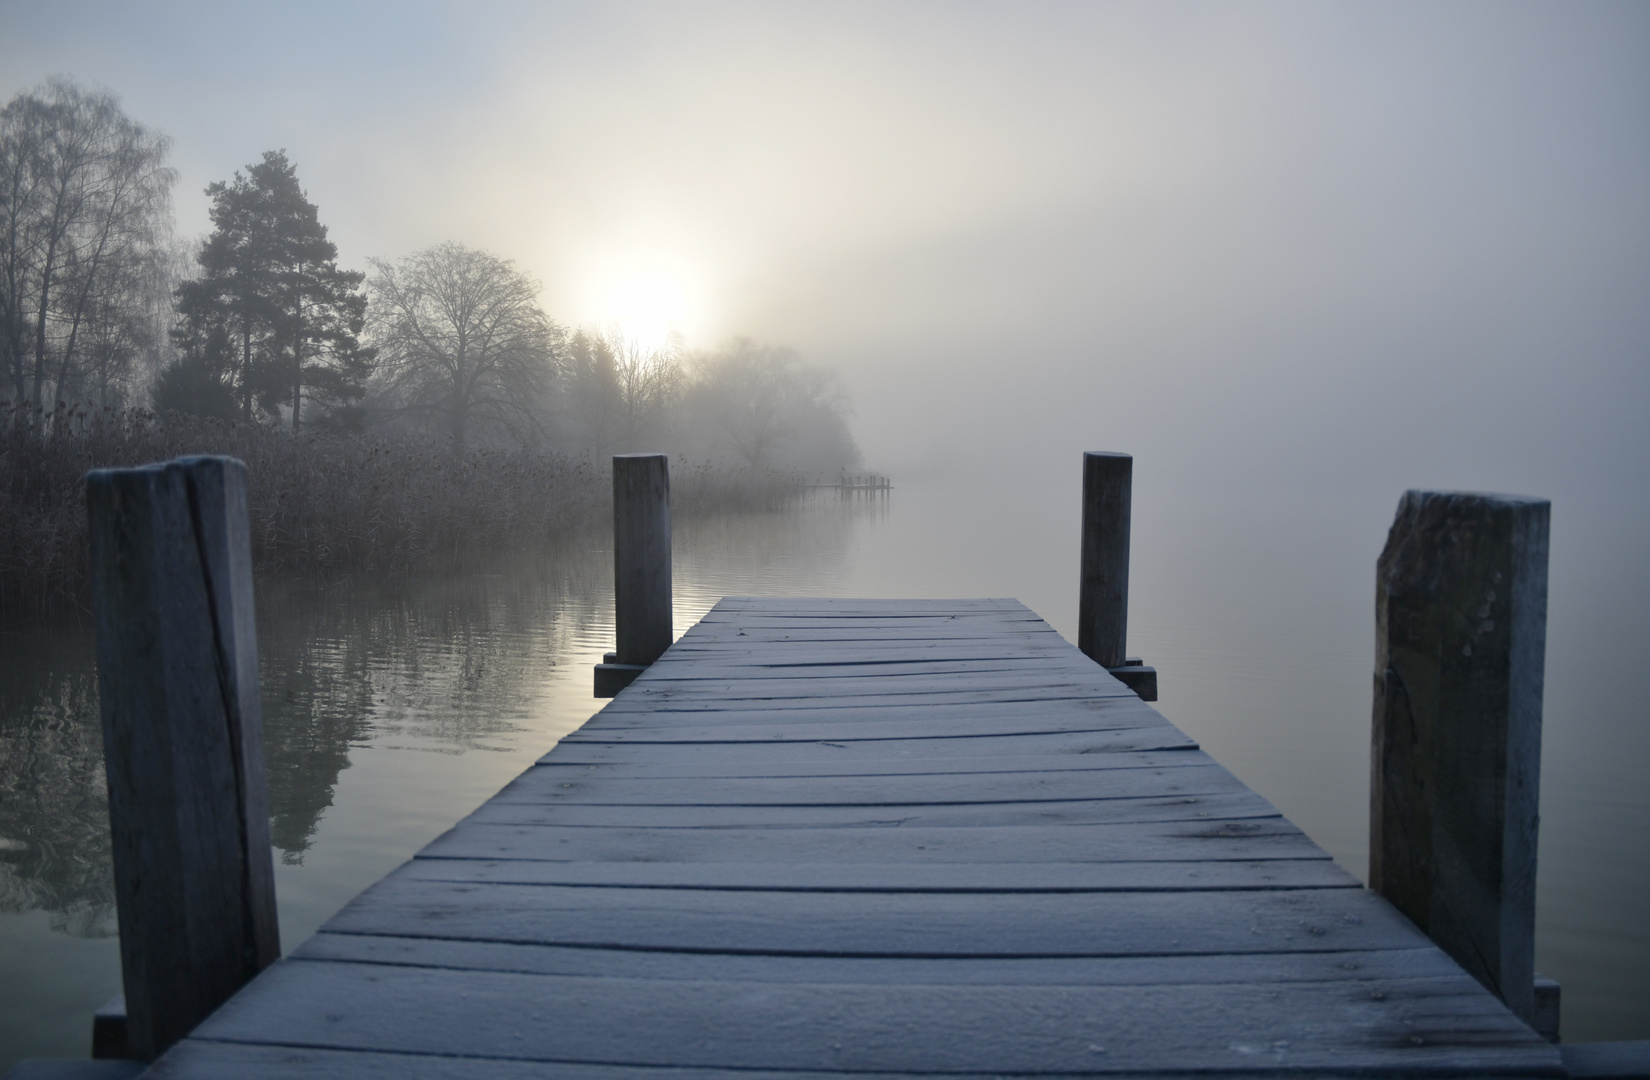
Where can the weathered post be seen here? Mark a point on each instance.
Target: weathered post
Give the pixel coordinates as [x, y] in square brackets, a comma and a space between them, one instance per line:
[177, 666]
[1461, 627]
[641, 569]
[1103, 598]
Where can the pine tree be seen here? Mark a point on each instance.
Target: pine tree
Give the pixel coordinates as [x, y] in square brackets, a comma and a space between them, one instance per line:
[272, 285]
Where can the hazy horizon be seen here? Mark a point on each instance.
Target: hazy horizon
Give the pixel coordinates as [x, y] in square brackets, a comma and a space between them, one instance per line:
[1370, 245]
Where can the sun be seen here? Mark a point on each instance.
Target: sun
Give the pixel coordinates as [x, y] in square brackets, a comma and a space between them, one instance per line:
[645, 306]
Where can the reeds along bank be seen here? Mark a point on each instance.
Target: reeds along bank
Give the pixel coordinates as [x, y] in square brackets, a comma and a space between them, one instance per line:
[320, 503]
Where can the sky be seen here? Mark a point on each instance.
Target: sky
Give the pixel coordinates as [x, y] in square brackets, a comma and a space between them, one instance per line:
[1358, 246]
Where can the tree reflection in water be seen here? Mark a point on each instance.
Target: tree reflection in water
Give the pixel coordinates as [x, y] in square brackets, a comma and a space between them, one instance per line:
[443, 664]
[54, 807]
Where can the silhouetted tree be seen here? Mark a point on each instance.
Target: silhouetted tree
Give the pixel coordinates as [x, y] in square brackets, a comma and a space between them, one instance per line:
[85, 214]
[226, 327]
[461, 341]
[620, 391]
[771, 408]
[270, 282]
[591, 393]
[648, 376]
[200, 380]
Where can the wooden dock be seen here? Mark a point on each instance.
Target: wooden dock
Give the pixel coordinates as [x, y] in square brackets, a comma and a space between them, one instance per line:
[873, 837]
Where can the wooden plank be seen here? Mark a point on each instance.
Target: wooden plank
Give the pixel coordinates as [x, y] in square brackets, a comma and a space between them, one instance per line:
[1233, 806]
[913, 626]
[833, 691]
[1193, 778]
[853, 648]
[897, 674]
[840, 730]
[1172, 841]
[1372, 967]
[1417, 1025]
[286, 1063]
[216, 1060]
[911, 719]
[1271, 874]
[1118, 748]
[917, 714]
[909, 626]
[767, 633]
[891, 603]
[736, 608]
[1028, 635]
[1092, 681]
[731, 609]
[932, 924]
[715, 623]
[1030, 697]
[687, 653]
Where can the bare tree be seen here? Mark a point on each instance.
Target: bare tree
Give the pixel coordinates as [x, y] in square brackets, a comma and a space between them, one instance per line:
[765, 400]
[649, 382]
[85, 217]
[462, 342]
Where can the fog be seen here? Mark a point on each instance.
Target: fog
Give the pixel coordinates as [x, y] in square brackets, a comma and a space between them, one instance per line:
[1369, 245]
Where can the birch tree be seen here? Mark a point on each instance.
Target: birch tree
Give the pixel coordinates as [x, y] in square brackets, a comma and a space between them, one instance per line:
[85, 220]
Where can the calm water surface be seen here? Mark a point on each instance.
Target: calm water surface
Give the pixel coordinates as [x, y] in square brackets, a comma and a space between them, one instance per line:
[393, 708]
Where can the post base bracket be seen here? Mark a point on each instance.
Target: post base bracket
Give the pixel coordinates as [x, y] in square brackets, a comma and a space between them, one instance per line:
[1137, 677]
[611, 677]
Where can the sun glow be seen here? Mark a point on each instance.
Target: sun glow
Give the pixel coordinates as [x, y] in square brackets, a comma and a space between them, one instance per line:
[645, 307]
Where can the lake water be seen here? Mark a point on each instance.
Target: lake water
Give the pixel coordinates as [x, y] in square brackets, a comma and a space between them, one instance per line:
[394, 708]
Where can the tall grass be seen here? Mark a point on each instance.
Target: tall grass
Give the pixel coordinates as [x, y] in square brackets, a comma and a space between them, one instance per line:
[321, 503]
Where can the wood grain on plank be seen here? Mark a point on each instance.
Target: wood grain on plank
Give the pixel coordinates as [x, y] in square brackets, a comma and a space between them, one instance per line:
[1192, 778]
[1272, 874]
[855, 649]
[1369, 966]
[1419, 1025]
[915, 717]
[1201, 810]
[889, 924]
[889, 839]
[828, 757]
[734, 694]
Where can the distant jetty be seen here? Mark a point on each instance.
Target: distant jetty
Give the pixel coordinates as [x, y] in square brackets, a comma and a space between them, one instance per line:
[857, 482]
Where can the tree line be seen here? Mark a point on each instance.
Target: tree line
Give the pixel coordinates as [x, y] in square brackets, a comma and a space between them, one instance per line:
[258, 323]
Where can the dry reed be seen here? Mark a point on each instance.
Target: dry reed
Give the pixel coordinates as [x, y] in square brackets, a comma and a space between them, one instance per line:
[321, 503]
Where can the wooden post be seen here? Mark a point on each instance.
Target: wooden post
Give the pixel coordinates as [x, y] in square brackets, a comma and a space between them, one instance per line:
[177, 667]
[1461, 626]
[641, 568]
[1103, 598]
